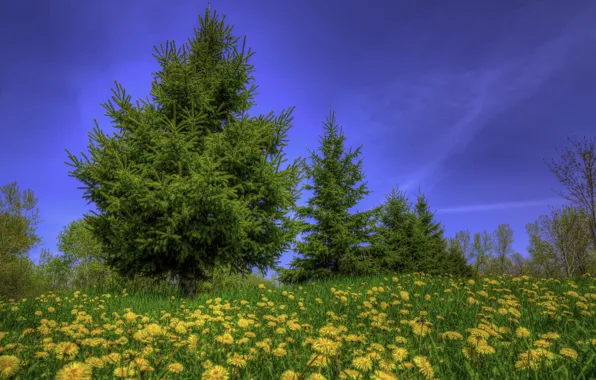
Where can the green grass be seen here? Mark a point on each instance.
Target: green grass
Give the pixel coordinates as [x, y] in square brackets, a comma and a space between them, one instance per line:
[364, 322]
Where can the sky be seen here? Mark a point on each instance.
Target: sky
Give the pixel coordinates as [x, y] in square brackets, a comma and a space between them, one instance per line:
[464, 100]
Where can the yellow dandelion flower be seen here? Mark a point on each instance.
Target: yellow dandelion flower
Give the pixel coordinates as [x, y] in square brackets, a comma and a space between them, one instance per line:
[75, 371]
[541, 343]
[399, 354]
[95, 362]
[452, 335]
[289, 375]
[41, 354]
[350, 374]
[387, 364]
[568, 352]
[383, 375]
[522, 332]
[424, 366]
[237, 360]
[216, 372]
[485, 349]
[175, 368]
[9, 365]
[316, 376]
[362, 363]
[121, 372]
[66, 350]
[325, 346]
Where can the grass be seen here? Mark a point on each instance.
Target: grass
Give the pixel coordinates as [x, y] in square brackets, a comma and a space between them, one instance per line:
[386, 327]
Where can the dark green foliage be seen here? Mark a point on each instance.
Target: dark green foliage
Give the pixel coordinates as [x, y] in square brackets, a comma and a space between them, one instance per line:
[332, 242]
[429, 246]
[393, 239]
[189, 181]
[455, 261]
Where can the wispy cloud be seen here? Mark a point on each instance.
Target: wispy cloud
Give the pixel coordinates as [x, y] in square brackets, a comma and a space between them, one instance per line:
[498, 206]
[444, 109]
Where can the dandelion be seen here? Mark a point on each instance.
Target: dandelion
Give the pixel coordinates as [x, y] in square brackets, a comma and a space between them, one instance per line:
[399, 354]
[9, 365]
[175, 368]
[485, 349]
[568, 352]
[383, 375]
[75, 371]
[362, 363]
[237, 360]
[316, 376]
[216, 372]
[424, 366]
[66, 350]
[325, 346]
[522, 332]
[289, 375]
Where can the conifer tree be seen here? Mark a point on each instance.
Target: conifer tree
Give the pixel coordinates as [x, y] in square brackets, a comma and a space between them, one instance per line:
[429, 246]
[393, 233]
[331, 244]
[189, 181]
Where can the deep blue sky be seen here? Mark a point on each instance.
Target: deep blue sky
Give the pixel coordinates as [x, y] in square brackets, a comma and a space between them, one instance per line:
[464, 98]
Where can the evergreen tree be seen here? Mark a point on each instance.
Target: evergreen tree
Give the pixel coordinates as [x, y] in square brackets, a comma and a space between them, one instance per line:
[455, 261]
[394, 231]
[331, 244]
[189, 181]
[429, 246]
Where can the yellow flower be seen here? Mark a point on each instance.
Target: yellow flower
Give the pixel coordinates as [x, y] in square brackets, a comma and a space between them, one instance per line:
[237, 360]
[216, 372]
[175, 368]
[121, 372]
[362, 363]
[485, 349]
[9, 365]
[349, 374]
[289, 375]
[383, 375]
[95, 362]
[522, 332]
[316, 376]
[325, 346]
[41, 354]
[75, 371]
[399, 354]
[569, 352]
[51, 309]
[66, 350]
[424, 366]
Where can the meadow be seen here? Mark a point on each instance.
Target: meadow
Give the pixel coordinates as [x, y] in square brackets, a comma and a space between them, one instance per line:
[386, 327]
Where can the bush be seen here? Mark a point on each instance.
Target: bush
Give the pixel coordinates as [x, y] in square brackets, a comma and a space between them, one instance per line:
[18, 279]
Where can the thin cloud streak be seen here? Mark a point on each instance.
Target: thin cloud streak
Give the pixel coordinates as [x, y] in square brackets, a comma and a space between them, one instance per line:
[498, 206]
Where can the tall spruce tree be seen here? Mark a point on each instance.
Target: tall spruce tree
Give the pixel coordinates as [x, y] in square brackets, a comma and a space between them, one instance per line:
[331, 243]
[430, 248]
[189, 181]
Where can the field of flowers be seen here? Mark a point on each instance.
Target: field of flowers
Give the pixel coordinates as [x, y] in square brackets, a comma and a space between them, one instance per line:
[406, 327]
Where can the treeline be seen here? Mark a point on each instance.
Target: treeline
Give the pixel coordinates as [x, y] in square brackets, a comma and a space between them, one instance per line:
[191, 187]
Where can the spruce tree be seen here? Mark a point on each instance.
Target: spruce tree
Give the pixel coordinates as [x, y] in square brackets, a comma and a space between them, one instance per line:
[392, 241]
[331, 243]
[189, 181]
[429, 246]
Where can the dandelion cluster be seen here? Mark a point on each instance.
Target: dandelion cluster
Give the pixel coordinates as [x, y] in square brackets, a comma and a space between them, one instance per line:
[412, 326]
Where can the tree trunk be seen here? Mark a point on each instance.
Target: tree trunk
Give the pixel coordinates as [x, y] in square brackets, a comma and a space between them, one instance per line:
[189, 279]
